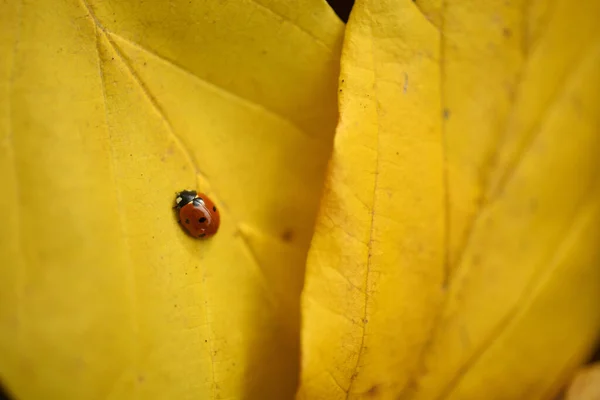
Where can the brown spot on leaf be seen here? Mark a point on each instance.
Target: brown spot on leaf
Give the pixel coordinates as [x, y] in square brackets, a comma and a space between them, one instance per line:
[374, 391]
[287, 235]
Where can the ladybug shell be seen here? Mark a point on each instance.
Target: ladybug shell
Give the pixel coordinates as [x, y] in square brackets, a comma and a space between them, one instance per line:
[200, 217]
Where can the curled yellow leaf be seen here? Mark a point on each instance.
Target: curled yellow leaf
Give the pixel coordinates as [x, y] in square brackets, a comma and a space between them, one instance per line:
[456, 253]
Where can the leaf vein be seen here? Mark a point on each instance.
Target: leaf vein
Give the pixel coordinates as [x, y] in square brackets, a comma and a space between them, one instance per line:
[251, 104]
[514, 162]
[293, 23]
[156, 105]
[581, 216]
[372, 231]
[122, 224]
[255, 260]
[536, 129]
[422, 11]
[325, 307]
[335, 381]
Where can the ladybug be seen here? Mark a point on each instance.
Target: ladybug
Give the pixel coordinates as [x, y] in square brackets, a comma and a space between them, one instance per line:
[197, 213]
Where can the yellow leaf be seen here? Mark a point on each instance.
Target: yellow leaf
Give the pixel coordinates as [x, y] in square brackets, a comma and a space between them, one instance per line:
[456, 251]
[108, 108]
[375, 268]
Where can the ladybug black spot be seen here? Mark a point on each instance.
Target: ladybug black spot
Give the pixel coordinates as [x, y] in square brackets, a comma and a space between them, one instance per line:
[201, 220]
[214, 209]
[187, 221]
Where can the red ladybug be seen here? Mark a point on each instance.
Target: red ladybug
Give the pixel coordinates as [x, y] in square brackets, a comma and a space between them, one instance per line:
[197, 214]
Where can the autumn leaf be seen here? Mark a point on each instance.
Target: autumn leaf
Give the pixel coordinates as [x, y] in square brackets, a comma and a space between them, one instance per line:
[110, 107]
[456, 251]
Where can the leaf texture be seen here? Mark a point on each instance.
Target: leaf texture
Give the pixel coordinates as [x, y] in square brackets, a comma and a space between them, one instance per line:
[108, 108]
[376, 265]
[466, 268]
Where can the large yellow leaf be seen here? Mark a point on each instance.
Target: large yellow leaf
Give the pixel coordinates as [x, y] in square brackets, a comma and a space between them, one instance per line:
[107, 109]
[456, 253]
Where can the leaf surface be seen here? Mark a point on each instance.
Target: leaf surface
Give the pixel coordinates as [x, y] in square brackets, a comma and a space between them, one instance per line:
[456, 252]
[108, 108]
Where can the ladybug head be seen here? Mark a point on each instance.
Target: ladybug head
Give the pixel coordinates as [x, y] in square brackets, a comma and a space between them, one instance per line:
[184, 198]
